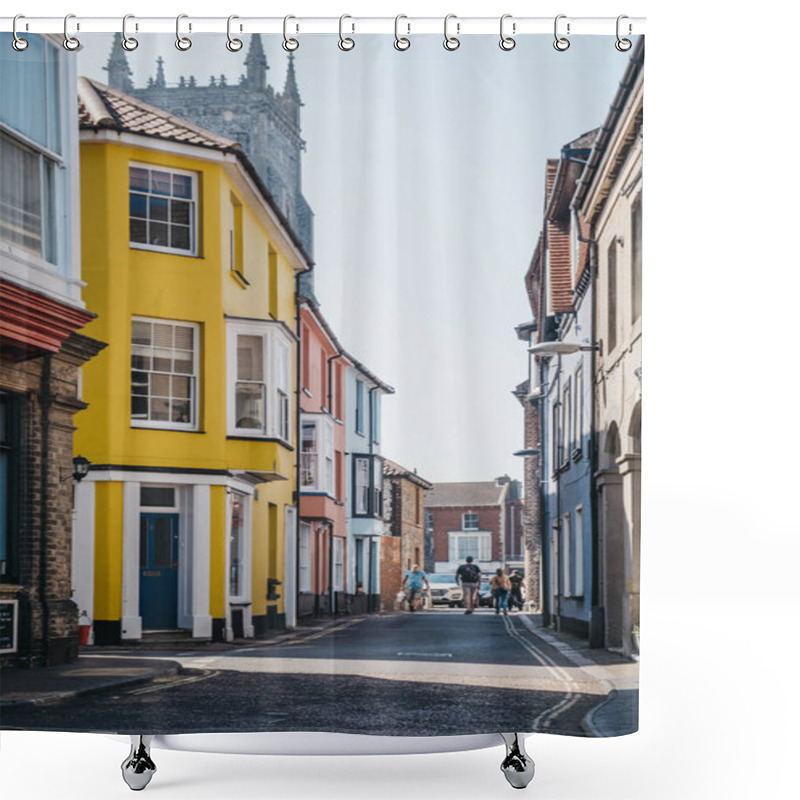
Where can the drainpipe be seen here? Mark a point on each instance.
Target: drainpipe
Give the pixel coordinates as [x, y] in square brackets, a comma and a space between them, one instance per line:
[45, 404]
[331, 591]
[559, 437]
[330, 382]
[597, 629]
[298, 442]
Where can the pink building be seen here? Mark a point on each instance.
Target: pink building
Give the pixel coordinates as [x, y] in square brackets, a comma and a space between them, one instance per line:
[322, 537]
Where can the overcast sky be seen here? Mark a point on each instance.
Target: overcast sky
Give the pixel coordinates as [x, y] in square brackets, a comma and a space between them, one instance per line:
[425, 173]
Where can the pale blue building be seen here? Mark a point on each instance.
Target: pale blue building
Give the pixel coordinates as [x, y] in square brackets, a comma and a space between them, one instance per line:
[364, 474]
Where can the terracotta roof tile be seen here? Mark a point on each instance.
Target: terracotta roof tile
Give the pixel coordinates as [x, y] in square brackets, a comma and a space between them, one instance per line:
[100, 106]
[482, 493]
[394, 470]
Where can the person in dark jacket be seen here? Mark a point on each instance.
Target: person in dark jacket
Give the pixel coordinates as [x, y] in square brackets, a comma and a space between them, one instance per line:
[469, 577]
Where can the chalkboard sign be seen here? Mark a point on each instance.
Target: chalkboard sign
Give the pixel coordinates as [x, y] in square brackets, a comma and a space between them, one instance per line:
[8, 626]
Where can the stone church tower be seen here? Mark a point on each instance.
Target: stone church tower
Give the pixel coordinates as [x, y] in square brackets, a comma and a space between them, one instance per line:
[264, 122]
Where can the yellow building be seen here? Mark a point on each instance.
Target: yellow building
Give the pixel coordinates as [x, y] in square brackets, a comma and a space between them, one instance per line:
[184, 520]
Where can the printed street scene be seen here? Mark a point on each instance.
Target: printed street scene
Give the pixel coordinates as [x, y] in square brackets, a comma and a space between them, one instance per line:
[305, 426]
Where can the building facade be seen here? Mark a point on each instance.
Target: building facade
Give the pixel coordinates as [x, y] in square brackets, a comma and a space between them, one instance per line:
[186, 521]
[248, 110]
[472, 519]
[41, 352]
[322, 544]
[565, 379]
[582, 398]
[365, 485]
[610, 201]
[404, 527]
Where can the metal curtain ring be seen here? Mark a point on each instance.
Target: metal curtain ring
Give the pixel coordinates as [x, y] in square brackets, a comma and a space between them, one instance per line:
[183, 43]
[234, 45]
[128, 42]
[400, 42]
[506, 42]
[561, 43]
[70, 42]
[623, 45]
[451, 42]
[19, 44]
[289, 45]
[346, 43]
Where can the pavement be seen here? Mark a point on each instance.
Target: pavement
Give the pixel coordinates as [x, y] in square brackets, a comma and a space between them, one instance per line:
[100, 669]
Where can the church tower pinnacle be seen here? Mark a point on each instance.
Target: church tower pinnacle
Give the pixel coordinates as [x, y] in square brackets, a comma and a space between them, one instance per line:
[117, 67]
[256, 63]
[291, 94]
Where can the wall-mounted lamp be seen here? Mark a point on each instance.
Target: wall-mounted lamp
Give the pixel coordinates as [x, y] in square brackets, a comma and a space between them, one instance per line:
[81, 465]
[562, 348]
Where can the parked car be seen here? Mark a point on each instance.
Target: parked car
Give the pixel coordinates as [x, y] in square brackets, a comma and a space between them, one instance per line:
[485, 594]
[445, 590]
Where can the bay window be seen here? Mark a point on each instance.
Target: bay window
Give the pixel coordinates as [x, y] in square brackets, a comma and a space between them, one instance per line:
[33, 128]
[477, 545]
[368, 485]
[316, 454]
[259, 380]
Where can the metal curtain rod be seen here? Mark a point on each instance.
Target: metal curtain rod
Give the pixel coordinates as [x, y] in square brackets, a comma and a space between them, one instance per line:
[461, 26]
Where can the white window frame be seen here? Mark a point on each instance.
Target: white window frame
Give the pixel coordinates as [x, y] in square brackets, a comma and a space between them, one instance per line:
[244, 549]
[578, 403]
[476, 526]
[359, 409]
[484, 541]
[278, 388]
[577, 552]
[194, 378]
[193, 215]
[361, 485]
[338, 564]
[375, 415]
[304, 558]
[566, 424]
[324, 461]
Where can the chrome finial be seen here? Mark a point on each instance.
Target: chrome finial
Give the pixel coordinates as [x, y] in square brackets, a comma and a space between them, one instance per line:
[517, 766]
[138, 768]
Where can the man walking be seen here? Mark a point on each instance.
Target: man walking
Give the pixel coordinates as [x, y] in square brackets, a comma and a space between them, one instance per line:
[515, 597]
[469, 577]
[414, 582]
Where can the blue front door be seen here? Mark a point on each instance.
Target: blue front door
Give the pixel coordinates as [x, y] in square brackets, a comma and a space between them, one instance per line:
[158, 571]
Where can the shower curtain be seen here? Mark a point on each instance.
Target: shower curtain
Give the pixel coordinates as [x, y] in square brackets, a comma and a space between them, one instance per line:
[321, 388]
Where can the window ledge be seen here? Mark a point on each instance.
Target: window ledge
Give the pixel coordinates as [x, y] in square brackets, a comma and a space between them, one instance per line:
[577, 454]
[239, 278]
[136, 427]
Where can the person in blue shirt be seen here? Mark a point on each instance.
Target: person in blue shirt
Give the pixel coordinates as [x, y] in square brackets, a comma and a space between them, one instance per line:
[414, 582]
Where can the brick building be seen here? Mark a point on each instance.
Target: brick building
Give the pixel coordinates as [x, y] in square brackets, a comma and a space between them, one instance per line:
[474, 519]
[404, 518]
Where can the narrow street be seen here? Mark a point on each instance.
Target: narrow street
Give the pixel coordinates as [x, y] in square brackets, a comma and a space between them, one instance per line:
[431, 673]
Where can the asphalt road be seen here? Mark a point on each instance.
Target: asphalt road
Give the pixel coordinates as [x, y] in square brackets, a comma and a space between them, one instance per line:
[423, 674]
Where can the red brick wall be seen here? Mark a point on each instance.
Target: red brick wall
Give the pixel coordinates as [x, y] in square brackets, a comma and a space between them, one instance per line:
[391, 571]
[450, 519]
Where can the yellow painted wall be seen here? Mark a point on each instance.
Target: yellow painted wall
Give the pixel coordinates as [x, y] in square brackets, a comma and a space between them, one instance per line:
[108, 552]
[123, 282]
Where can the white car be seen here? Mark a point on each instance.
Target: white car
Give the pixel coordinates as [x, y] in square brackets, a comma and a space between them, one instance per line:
[445, 590]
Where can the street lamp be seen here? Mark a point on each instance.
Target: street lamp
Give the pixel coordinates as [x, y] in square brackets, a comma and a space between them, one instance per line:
[562, 348]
